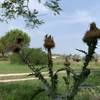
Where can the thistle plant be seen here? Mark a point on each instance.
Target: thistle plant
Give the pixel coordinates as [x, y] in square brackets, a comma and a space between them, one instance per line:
[49, 44]
[51, 87]
[91, 37]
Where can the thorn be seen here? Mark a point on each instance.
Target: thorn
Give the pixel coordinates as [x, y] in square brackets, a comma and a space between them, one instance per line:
[46, 35]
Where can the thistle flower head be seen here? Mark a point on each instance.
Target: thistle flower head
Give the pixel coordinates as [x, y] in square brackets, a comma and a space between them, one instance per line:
[93, 26]
[92, 34]
[49, 42]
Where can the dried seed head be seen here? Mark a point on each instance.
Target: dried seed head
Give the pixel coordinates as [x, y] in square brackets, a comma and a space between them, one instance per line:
[92, 34]
[93, 27]
[49, 42]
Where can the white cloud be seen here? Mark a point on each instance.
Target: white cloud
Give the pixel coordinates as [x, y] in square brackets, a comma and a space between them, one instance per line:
[82, 16]
[79, 17]
[75, 17]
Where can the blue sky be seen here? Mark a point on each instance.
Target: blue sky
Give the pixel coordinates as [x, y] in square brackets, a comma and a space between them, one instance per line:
[67, 29]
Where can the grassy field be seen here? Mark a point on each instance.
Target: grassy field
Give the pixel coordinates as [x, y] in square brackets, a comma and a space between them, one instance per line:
[7, 67]
[24, 90]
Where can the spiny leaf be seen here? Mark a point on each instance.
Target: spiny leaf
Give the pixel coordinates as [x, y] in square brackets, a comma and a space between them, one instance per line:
[82, 51]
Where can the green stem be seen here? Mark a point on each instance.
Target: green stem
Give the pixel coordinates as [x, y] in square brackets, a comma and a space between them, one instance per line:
[85, 72]
[91, 49]
[50, 64]
[52, 78]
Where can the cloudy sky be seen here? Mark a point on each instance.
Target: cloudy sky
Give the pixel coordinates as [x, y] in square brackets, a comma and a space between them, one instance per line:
[67, 28]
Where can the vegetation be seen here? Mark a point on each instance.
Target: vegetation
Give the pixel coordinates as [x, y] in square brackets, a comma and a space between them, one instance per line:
[6, 68]
[36, 56]
[52, 88]
[74, 82]
[2, 47]
[8, 43]
[11, 36]
[11, 9]
[9, 40]
[24, 90]
[15, 59]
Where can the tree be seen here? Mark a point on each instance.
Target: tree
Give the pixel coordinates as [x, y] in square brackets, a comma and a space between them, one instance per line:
[10, 39]
[11, 9]
[12, 36]
[2, 47]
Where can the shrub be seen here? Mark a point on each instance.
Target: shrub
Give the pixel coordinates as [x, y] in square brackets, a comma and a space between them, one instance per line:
[15, 59]
[36, 56]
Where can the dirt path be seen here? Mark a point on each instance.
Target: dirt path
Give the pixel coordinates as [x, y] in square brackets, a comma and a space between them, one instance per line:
[16, 80]
[18, 74]
[7, 79]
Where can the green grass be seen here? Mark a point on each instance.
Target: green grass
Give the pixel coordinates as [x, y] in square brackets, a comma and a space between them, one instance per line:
[19, 90]
[77, 66]
[24, 90]
[6, 67]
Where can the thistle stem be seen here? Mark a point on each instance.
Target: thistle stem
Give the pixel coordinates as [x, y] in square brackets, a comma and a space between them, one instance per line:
[85, 71]
[50, 64]
[50, 69]
[91, 51]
